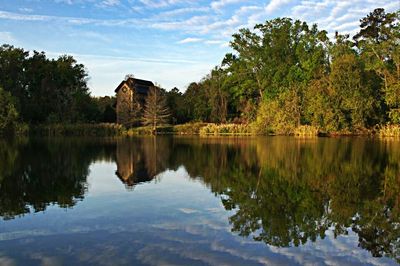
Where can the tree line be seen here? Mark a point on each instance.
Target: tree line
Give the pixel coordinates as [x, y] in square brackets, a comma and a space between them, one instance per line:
[37, 90]
[282, 74]
[285, 73]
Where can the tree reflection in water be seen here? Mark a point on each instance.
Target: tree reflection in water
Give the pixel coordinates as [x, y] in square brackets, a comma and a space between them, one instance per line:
[287, 191]
[38, 173]
[282, 191]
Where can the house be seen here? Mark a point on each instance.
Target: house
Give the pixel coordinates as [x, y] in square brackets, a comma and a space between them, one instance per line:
[131, 97]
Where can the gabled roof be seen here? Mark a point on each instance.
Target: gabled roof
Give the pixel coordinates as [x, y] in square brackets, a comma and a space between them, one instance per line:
[140, 85]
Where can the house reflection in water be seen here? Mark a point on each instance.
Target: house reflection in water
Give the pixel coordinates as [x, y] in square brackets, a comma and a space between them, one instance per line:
[138, 161]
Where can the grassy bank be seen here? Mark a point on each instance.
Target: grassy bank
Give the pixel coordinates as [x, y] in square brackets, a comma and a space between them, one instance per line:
[78, 130]
[197, 128]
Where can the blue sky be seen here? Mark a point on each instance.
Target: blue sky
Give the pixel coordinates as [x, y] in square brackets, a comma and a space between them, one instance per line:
[171, 42]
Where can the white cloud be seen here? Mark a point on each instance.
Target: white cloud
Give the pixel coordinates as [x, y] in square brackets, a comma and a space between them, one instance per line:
[161, 3]
[25, 10]
[216, 5]
[193, 24]
[182, 11]
[190, 40]
[6, 37]
[107, 71]
[214, 42]
[16, 16]
[73, 2]
[109, 3]
[337, 15]
[275, 5]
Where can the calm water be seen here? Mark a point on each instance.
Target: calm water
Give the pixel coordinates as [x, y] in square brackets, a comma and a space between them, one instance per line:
[196, 201]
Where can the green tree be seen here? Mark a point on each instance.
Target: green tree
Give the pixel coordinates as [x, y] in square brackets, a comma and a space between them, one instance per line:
[196, 102]
[8, 113]
[46, 90]
[175, 101]
[378, 42]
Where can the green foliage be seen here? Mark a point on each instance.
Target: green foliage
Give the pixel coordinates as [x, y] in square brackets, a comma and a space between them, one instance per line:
[46, 90]
[378, 42]
[284, 74]
[175, 102]
[280, 115]
[352, 95]
[8, 112]
[105, 109]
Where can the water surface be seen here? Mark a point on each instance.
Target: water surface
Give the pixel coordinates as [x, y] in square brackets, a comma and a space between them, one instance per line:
[200, 201]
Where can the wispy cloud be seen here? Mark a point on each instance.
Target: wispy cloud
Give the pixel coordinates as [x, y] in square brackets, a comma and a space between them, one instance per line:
[161, 3]
[181, 11]
[6, 37]
[109, 3]
[190, 40]
[25, 10]
[276, 4]
[217, 5]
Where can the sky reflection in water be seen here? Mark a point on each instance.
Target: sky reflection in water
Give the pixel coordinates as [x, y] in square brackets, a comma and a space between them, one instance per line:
[190, 201]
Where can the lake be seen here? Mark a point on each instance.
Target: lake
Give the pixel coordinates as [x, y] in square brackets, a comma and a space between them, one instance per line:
[200, 201]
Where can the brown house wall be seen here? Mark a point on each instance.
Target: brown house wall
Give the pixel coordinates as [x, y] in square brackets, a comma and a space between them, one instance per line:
[124, 105]
[129, 106]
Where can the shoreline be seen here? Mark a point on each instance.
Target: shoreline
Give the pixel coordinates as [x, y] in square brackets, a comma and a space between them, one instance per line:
[199, 129]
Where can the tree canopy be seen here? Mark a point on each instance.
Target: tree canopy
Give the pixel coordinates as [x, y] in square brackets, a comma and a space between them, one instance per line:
[285, 73]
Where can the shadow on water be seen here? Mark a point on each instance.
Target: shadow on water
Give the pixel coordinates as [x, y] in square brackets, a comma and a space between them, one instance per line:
[281, 191]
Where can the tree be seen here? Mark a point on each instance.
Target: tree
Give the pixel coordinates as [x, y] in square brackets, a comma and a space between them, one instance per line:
[175, 100]
[45, 90]
[196, 102]
[378, 43]
[8, 112]
[156, 111]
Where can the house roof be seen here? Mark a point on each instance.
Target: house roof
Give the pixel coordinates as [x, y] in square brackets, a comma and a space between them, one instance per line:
[140, 85]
